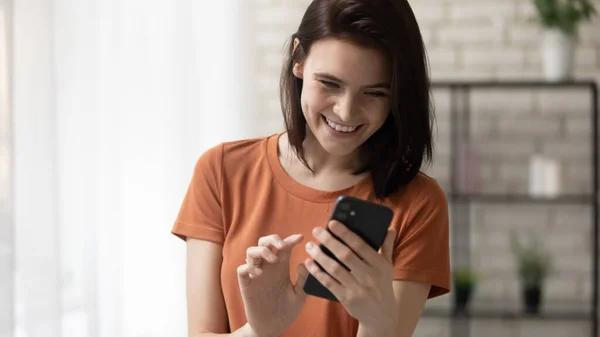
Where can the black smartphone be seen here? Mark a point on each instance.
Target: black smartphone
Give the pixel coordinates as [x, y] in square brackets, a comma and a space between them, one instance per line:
[368, 220]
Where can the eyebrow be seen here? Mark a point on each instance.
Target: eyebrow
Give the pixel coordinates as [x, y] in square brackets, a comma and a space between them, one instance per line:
[373, 86]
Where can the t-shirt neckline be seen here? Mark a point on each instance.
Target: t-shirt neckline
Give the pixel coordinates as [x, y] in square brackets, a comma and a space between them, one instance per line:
[300, 190]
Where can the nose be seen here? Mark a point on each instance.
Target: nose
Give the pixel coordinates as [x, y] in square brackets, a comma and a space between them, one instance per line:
[344, 108]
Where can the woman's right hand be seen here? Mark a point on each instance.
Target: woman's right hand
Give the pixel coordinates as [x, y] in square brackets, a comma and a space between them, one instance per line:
[272, 302]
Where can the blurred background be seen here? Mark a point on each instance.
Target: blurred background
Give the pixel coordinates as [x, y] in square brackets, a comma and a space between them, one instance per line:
[105, 106]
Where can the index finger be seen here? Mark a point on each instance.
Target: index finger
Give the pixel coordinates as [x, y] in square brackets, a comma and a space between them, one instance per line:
[355, 242]
[271, 240]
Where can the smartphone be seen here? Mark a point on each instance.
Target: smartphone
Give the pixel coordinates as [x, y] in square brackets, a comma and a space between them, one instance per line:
[368, 220]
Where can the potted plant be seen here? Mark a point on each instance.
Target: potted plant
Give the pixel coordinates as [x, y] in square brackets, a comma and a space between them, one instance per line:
[560, 20]
[533, 266]
[465, 281]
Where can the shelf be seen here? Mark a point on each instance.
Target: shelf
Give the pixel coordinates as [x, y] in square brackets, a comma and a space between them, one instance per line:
[523, 198]
[513, 84]
[461, 93]
[499, 314]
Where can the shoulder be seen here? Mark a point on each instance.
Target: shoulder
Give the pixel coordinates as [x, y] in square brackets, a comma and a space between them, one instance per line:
[231, 158]
[421, 191]
[244, 149]
[425, 187]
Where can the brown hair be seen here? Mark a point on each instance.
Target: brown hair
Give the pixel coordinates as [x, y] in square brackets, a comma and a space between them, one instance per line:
[395, 153]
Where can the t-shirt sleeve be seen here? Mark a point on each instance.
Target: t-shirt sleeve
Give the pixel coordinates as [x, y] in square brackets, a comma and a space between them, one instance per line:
[200, 216]
[422, 248]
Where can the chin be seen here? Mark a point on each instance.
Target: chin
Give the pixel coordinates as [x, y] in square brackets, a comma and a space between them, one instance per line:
[336, 150]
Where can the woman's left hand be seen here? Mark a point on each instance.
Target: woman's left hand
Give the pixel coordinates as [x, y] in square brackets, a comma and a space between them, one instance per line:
[366, 290]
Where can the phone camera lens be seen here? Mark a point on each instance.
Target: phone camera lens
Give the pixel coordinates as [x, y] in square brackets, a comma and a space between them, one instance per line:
[342, 216]
[352, 213]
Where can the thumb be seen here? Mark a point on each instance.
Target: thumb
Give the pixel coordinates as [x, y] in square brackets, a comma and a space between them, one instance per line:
[300, 280]
[387, 248]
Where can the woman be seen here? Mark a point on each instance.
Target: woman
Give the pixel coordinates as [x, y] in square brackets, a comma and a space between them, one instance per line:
[355, 97]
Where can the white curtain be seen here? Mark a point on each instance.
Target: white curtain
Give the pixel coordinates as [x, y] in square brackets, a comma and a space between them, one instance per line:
[6, 228]
[114, 100]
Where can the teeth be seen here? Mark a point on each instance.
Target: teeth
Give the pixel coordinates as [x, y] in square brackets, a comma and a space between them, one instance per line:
[340, 128]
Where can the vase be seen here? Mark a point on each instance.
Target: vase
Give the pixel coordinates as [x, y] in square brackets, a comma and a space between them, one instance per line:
[532, 297]
[558, 51]
[461, 299]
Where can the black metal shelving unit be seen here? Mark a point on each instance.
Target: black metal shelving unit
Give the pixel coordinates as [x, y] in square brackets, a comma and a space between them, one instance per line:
[460, 203]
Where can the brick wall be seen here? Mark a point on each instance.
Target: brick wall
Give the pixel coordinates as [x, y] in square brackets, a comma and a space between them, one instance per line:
[489, 39]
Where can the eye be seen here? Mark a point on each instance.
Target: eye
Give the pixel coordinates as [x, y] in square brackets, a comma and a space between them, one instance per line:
[377, 94]
[328, 84]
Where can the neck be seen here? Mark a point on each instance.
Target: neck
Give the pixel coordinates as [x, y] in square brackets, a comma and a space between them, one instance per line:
[322, 161]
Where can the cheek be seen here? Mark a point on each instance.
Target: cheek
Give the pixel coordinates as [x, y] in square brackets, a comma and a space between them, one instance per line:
[315, 100]
[379, 112]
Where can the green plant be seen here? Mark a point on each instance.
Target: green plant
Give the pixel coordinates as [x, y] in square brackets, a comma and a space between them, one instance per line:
[564, 14]
[464, 282]
[533, 262]
[464, 278]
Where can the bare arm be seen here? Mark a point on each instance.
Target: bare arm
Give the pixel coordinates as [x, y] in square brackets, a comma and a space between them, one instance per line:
[410, 298]
[207, 315]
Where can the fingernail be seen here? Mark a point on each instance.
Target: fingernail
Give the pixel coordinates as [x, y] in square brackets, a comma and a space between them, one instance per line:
[310, 246]
[333, 226]
[279, 244]
[272, 258]
[296, 236]
[317, 231]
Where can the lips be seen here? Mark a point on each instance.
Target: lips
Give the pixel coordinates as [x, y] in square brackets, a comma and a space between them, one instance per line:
[342, 128]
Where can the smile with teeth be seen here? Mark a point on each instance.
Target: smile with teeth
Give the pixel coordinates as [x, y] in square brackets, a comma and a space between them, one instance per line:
[339, 127]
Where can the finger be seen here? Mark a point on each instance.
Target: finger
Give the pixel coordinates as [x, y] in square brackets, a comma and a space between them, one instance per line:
[246, 272]
[254, 272]
[271, 240]
[255, 255]
[288, 245]
[355, 242]
[301, 279]
[243, 275]
[388, 245]
[341, 251]
[327, 281]
[331, 266]
[293, 240]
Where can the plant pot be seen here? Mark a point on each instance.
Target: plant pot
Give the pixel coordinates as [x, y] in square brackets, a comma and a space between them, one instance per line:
[558, 51]
[531, 299]
[461, 299]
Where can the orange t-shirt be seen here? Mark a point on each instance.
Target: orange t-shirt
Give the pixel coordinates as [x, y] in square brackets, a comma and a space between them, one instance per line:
[240, 192]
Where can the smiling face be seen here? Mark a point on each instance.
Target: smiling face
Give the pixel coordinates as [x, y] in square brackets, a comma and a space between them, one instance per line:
[345, 94]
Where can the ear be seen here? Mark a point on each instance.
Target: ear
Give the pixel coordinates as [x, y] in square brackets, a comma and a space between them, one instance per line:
[298, 70]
